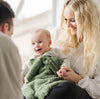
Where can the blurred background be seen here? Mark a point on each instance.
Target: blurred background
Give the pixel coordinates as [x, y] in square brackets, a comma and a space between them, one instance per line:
[31, 15]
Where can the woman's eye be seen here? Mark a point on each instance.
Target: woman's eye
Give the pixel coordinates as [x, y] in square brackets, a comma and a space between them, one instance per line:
[72, 20]
[65, 19]
[40, 41]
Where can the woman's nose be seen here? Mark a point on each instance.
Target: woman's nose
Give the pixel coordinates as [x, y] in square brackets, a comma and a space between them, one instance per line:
[68, 23]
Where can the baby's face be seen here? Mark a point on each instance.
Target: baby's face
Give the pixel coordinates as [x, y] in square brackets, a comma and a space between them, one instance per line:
[40, 43]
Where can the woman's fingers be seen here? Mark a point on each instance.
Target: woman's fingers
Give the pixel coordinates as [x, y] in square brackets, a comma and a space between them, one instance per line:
[62, 73]
[66, 68]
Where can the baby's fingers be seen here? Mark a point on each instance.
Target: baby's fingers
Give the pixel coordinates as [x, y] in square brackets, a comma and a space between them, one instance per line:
[59, 73]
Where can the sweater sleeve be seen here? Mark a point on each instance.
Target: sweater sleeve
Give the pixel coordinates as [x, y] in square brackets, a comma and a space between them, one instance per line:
[26, 68]
[92, 85]
[66, 59]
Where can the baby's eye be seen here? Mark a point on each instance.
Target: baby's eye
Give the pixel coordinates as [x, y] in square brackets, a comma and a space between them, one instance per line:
[40, 41]
[33, 43]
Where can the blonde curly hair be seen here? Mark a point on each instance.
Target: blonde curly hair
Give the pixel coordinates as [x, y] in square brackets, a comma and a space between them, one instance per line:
[87, 17]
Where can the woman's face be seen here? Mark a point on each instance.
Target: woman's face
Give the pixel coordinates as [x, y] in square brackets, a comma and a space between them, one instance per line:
[70, 20]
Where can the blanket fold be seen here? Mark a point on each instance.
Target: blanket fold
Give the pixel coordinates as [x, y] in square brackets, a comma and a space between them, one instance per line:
[42, 77]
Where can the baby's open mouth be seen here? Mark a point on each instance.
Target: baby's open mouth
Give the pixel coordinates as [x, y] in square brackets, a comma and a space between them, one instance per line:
[39, 49]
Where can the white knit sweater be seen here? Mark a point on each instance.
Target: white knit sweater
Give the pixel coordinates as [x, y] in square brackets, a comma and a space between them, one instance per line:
[91, 82]
[52, 52]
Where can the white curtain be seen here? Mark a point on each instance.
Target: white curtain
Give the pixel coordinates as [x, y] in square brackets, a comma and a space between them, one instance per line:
[57, 6]
[98, 2]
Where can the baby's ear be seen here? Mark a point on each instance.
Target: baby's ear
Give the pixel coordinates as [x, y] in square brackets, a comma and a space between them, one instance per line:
[50, 42]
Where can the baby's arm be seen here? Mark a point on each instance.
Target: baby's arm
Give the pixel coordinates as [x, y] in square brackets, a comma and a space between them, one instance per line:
[23, 80]
[66, 62]
[25, 69]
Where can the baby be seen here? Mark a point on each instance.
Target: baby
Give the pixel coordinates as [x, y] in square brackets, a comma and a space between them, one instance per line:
[41, 42]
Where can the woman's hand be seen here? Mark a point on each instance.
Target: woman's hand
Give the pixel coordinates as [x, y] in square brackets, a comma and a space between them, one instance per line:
[68, 74]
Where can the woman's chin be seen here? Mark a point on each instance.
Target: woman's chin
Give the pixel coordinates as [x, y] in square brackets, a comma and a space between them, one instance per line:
[73, 33]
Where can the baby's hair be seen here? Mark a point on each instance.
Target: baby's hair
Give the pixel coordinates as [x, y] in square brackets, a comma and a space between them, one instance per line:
[44, 31]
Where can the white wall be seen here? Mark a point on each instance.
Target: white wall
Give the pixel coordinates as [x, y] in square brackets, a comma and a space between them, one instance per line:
[98, 2]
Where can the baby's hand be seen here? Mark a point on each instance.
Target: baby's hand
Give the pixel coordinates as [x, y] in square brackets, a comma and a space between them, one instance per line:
[23, 81]
[61, 72]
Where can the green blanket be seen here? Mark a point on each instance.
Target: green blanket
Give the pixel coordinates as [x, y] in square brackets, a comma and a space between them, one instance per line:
[42, 77]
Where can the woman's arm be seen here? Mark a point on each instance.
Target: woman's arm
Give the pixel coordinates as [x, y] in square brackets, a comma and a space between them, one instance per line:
[91, 85]
[66, 59]
[69, 75]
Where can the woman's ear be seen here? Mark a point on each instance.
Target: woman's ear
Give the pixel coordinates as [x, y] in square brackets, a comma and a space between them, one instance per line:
[4, 28]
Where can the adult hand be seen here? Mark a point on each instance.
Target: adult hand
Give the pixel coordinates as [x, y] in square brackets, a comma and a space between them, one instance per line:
[68, 74]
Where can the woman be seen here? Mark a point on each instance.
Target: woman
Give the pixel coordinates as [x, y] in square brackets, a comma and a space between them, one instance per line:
[79, 37]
